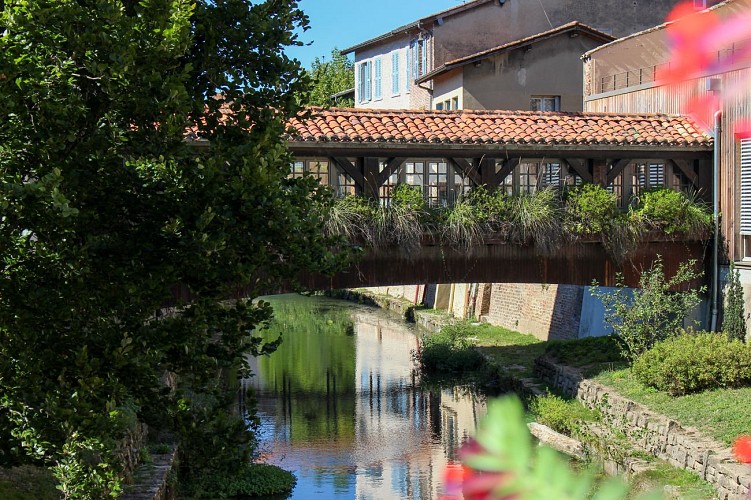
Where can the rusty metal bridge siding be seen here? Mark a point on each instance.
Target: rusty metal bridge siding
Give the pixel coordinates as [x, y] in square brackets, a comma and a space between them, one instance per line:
[574, 264]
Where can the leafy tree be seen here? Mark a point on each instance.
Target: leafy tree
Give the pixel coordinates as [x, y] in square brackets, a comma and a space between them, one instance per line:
[107, 212]
[733, 320]
[652, 312]
[331, 77]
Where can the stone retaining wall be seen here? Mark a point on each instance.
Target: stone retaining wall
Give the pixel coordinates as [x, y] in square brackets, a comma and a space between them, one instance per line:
[654, 433]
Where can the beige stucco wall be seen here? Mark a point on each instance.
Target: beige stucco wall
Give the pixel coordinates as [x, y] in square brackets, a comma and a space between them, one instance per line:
[507, 81]
[448, 86]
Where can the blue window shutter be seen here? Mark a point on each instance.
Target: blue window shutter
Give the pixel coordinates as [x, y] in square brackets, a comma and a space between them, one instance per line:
[395, 73]
[368, 95]
[408, 68]
[362, 82]
[378, 78]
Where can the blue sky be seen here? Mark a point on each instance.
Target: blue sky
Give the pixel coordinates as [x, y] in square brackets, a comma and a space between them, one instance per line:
[343, 23]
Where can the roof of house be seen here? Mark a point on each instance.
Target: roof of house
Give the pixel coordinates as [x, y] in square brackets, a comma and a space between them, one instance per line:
[574, 26]
[365, 126]
[416, 24]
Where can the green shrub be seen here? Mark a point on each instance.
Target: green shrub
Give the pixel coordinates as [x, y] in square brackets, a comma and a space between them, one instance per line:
[733, 320]
[590, 209]
[693, 363]
[253, 480]
[653, 311]
[674, 212]
[449, 351]
[564, 416]
[407, 196]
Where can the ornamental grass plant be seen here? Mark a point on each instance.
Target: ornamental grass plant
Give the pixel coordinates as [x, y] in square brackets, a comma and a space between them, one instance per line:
[545, 219]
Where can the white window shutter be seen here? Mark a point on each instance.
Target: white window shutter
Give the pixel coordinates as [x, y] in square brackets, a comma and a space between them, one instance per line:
[746, 186]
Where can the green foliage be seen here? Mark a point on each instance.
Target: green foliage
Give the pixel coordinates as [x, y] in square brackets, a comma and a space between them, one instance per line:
[542, 219]
[350, 218]
[590, 209]
[329, 78]
[462, 227]
[733, 317]
[564, 416]
[652, 312]
[105, 210]
[504, 451]
[674, 212]
[695, 362]
[585, 351]
[408, 197]
[450, 351]
[251, 480]
[537, 218]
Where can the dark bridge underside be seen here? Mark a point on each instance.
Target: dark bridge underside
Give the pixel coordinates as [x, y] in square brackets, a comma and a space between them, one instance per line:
[574, 264]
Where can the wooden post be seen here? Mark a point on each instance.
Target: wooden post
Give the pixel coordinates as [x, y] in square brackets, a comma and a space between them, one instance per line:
[487, 172]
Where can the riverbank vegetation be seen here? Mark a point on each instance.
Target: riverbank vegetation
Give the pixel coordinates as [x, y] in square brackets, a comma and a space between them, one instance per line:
[546, 219]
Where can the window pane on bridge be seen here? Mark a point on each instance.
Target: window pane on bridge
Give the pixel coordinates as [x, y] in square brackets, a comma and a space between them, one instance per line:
[617, 188]
[319, 170]
[298, 169]
[345, 184]
[462, 185]
[414, 173]
[438, 185]
[387, 188]
[528, 174]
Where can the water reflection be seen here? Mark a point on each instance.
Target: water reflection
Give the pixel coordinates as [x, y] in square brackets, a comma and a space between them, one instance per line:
[342, 408]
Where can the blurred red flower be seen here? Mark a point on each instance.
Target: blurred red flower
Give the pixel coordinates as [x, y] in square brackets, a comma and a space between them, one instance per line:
[742, 449]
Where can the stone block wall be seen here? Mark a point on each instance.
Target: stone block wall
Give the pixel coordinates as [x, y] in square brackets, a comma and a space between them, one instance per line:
[546, 311]
[654, 433]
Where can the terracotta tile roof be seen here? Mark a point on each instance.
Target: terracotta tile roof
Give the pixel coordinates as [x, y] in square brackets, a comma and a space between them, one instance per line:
[496, 127]
[574, 26]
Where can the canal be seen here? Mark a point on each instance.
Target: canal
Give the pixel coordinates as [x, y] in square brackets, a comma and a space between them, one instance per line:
[341, 406]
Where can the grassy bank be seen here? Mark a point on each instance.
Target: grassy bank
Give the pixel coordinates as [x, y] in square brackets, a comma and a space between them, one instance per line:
[721, 414]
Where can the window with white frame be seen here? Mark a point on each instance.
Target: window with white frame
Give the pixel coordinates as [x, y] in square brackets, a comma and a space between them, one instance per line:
[454, 103]
[545, 103]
